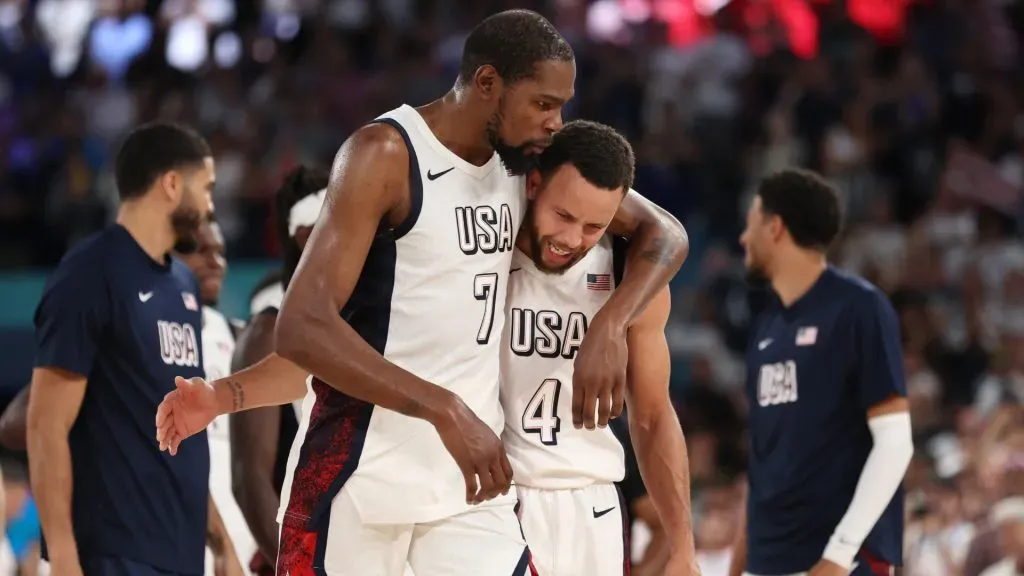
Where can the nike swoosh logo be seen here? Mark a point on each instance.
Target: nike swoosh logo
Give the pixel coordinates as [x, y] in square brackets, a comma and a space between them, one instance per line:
[431, 176]
[514, 270]
[764, 344]
[145, 296]
[598, 514]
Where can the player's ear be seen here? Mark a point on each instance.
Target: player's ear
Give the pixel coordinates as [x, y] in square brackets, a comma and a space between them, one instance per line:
[172, 186]
[487, 82]
[533, 184]
[776, 227]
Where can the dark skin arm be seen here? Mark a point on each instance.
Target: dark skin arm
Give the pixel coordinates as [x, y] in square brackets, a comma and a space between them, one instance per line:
[658, 247]
[254, 435]
[370, 185]
[656, 434]
[14, 421]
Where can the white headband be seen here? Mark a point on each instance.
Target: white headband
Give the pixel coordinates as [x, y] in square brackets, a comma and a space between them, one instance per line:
[305, 212]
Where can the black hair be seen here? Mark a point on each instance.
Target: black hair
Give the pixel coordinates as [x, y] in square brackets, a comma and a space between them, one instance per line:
[808, 206]
[299, 183]
[513, 42]
[602, 155]
[152, 150]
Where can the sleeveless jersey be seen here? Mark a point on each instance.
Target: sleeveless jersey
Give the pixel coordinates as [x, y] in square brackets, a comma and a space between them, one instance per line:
[548, 315]
[430, 299]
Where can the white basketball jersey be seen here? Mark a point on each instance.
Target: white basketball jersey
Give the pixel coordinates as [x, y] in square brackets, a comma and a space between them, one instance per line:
[446, 271]
[218, 347]
[548, 315]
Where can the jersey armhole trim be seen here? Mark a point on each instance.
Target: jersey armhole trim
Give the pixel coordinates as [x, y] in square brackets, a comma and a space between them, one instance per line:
[415, 180]
[620, 246]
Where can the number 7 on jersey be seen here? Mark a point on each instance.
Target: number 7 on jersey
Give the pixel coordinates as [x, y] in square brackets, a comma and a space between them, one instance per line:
[485, 289]
[541, 414]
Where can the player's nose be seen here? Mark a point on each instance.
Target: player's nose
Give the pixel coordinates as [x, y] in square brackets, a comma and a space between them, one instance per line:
[554, 123]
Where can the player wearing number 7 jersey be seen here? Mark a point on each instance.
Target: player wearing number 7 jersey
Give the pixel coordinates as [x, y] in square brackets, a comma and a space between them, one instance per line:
[563, 272]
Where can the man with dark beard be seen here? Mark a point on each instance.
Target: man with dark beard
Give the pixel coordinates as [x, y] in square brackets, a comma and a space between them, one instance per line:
[397, 310]
[829, 434]
[119, 318]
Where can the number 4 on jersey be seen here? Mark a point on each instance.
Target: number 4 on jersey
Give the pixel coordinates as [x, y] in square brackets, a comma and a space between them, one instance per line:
[541, 414]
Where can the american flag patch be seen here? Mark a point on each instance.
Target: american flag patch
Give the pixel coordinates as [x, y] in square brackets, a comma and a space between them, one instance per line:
[807, 336]
[190, 301]
[599, 281]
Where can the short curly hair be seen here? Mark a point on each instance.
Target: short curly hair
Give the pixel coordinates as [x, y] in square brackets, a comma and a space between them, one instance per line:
[602, 155]
[513, 42]
[808, 205]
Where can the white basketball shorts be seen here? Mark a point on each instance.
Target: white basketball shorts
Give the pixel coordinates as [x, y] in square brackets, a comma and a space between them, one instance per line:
[575, 532]
[485, 541]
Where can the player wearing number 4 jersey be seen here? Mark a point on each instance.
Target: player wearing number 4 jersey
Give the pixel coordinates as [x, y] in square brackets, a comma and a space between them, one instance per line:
[400, 458]
[564, 270]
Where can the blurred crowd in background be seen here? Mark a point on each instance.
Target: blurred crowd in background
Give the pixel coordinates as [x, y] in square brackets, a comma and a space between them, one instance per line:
[914, 108]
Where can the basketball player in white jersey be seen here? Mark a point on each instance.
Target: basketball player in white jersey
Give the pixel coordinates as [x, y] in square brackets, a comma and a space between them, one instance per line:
[262, 437]
[400, 458]
[564, 270]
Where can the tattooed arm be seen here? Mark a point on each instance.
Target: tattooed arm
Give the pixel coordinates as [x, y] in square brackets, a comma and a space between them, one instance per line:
[658, 246]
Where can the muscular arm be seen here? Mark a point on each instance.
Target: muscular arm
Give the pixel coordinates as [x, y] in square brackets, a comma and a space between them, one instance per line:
[368, 186]
[654, 427]
[658, 246]
[52, 409]
[14, 421]
[254, 436]
[657, 249]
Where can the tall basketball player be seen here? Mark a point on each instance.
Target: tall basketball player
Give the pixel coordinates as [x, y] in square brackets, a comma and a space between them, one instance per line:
[830, 436]
[401, 458]
[262, 437]
[228, 539]
[117, 320]
[563, 271]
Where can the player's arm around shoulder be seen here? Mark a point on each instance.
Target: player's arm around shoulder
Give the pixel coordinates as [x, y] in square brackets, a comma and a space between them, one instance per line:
[656, 433]
[658, 246]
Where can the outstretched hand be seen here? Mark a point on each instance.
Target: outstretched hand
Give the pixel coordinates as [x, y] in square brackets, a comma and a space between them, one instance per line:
[186, 410]
[599, 375]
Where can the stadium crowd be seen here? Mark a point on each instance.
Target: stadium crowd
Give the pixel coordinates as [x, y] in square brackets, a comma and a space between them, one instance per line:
[923, 133]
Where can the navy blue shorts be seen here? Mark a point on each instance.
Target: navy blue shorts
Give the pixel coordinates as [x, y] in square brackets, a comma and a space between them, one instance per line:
[113, 566]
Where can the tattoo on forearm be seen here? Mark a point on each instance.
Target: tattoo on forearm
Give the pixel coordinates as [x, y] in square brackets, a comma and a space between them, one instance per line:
[658, 251]
[237, 395]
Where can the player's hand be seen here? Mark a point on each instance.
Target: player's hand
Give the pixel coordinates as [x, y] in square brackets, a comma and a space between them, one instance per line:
[599, 374]
[185, 411]
[828, 568]
[477, 450]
